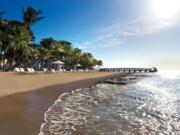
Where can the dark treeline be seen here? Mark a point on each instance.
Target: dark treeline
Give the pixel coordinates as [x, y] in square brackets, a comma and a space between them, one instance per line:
[18, 47]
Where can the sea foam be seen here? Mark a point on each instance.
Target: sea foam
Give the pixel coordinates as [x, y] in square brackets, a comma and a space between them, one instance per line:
[147, 107]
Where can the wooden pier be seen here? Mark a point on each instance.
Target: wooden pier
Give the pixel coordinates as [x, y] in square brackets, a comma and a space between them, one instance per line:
[129, 70]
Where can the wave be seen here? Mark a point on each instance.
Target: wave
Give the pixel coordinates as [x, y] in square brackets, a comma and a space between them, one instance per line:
[149, 106]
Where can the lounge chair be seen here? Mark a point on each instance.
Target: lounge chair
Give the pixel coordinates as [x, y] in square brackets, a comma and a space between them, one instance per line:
[29, 70]
[45, 69]
[53, 70]
[80, 70]
[16, 70]
[32, 70]
[22, 70]
[60, 70]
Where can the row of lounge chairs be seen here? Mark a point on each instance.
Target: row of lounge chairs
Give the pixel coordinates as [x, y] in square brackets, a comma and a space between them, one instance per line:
[45, 70]
[31, 70]
[22, 70]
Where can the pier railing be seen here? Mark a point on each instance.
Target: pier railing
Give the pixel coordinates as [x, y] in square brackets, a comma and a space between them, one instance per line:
[129, 70]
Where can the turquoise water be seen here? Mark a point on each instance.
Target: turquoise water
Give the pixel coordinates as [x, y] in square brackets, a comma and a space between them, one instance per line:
[148, 106]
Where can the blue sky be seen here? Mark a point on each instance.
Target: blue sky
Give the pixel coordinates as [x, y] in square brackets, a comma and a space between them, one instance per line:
[123, 33]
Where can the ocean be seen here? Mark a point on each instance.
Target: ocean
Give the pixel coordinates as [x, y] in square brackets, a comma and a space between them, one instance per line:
[148, 105]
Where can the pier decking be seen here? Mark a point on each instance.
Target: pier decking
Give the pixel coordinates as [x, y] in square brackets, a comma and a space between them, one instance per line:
[129, 70]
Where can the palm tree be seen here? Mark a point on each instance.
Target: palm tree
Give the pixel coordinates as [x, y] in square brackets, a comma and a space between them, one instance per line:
[57, 51]
[51, 50]
[47, 43]
[4, 38]
[68, 53]
[1, 32]
[65, 43]
[45, 51]
[99, 63]
[31, 16]
[19, 47]
[76, 56]
[87, 60]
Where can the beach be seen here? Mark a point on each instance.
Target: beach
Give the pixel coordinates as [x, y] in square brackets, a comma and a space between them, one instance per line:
[24, 98]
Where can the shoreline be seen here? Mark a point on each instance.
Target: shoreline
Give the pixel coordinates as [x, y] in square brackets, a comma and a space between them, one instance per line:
[12, 83]
[23, 113]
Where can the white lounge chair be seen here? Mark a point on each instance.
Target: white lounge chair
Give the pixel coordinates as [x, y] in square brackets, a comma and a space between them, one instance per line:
[32, 70]
[22, 70]
[45, 69]
[29, 70]
[53, 70]
[80, 70]
[60, 70]
[16, 70]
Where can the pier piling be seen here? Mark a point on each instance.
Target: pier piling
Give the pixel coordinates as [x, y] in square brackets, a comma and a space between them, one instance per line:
[129, 70]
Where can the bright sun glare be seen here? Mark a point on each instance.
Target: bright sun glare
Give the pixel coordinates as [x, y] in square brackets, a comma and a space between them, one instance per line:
[166, 8]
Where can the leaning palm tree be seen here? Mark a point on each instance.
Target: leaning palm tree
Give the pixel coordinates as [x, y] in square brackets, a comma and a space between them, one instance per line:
[31, 16]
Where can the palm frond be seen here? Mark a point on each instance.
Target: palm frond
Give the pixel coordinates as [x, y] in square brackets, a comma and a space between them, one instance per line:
[31, 16]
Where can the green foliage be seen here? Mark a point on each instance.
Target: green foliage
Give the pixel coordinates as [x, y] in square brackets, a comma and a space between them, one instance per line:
[18, 49]
[51, 50]
[31, 16]
[86, 60]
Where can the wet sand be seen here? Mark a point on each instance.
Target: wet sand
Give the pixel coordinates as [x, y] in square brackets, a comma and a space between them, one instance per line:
[25, 98]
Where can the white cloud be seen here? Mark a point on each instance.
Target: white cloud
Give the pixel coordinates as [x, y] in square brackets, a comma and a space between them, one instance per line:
[117, 33]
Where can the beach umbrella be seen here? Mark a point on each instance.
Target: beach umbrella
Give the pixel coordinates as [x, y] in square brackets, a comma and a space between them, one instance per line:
[58, 62]
[77, 65]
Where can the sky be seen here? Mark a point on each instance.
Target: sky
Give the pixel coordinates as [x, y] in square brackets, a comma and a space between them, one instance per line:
[122, 33]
